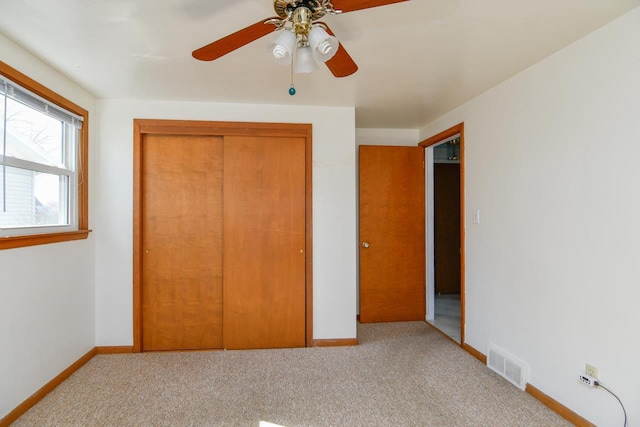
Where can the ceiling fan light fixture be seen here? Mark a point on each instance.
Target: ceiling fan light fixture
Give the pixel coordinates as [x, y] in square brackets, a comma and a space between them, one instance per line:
[304, 61]
[282, 48]
[298, 20]
[323, 45]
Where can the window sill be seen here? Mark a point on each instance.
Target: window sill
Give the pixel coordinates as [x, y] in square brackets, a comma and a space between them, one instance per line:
[11, 242]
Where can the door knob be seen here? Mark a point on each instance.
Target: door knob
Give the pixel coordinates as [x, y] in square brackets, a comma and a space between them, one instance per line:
[365, 244]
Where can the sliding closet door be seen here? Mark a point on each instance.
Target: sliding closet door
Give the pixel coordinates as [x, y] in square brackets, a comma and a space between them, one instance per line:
[264, 241]
[181, 242]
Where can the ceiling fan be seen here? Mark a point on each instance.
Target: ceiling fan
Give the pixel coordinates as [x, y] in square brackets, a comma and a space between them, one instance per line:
[310, 40]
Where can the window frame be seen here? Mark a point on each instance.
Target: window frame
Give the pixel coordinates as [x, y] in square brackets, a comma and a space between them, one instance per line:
[82, 187]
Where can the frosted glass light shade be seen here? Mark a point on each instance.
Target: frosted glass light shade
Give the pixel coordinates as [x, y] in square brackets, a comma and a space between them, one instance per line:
[304, 61]
[282, 48]
[324, 46]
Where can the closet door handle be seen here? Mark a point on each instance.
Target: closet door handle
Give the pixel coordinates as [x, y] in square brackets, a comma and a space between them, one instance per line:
[365, 244]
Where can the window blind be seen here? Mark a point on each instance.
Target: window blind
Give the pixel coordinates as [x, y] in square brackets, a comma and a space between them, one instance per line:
[20, 94]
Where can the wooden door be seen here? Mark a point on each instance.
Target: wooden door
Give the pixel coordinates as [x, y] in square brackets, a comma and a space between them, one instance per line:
[447, 227]
[264, 241]
[392, 236]
[181, 242]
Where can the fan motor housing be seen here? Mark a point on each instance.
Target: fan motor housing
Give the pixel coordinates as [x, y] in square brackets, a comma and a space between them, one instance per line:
[285, 8]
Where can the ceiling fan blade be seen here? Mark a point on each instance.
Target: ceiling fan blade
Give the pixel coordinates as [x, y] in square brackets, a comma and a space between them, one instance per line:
[351, 5]
[233, 41]
[341, 65]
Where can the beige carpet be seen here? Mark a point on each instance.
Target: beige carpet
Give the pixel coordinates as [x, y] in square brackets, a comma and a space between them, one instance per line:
[401, 374]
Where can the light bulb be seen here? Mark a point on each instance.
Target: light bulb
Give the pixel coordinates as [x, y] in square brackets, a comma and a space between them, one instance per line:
[279, 52]
[282, 48]
[324, 46]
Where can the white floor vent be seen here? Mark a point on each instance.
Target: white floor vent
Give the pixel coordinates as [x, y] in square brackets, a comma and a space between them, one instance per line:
[507, 366]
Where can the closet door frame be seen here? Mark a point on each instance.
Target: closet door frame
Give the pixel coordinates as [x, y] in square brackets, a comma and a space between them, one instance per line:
[142, 127]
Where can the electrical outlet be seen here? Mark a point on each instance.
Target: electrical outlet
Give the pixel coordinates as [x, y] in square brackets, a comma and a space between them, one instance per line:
[591, 371]
[587, 379]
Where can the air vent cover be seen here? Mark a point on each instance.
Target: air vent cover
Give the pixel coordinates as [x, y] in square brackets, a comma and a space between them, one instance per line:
[510, 368]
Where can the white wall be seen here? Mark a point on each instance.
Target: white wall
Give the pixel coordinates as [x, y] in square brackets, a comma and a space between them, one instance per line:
[399, 137]
[334, 203]
[552, 270]
[46, 292]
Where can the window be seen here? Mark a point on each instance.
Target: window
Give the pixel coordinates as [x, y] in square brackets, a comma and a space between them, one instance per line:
[43, 189]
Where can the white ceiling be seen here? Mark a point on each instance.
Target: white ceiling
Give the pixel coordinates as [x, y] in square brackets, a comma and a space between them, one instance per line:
[418, 59]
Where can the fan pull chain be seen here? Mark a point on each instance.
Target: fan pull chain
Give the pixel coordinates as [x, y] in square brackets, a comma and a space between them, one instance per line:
[292, 89]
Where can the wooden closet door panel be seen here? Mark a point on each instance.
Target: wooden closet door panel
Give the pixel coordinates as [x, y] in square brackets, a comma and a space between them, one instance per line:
[264, 240]
[182, 242]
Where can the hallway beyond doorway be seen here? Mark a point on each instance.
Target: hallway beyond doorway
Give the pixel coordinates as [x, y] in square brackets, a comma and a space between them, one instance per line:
[447, 315]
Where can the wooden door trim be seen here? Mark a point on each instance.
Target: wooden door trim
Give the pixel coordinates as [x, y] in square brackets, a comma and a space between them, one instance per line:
[143, 127]
[435, 139]
[198, 127]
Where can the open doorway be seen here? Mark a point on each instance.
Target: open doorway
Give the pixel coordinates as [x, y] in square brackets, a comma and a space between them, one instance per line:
[444, 178]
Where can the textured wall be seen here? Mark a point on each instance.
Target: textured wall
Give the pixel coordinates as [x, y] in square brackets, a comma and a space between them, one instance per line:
[46, 292]
[552, 269]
